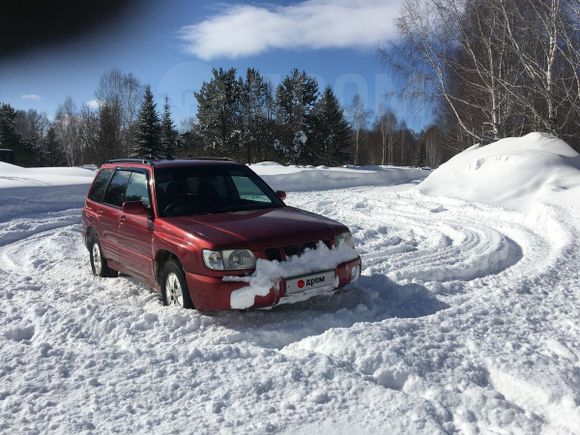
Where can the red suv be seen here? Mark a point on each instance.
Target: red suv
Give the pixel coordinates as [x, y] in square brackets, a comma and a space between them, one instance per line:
[211, 234]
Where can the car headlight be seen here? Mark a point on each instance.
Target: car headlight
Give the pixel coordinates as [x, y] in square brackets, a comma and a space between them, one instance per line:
[229, 259]
[345, 237]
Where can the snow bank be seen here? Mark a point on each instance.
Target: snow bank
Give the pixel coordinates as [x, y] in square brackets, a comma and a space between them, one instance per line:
[289, 178]
[27, 191]
[268, 273]
[303, 178]
[23, 191]
[512, 172]
[17, 176]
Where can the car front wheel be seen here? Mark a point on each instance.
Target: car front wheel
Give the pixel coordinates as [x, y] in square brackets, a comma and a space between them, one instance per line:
[174, 286]
[98, 261]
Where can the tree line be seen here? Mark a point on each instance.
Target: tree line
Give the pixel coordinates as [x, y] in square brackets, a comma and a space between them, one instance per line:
[490, 69]
[241, 117]
[122, 122]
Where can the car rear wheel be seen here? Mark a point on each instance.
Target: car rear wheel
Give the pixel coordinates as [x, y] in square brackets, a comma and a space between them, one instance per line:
[174, 286]
[98, 261]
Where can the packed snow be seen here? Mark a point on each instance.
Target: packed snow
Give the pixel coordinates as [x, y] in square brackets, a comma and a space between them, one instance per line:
[303, 178]
[465, 318]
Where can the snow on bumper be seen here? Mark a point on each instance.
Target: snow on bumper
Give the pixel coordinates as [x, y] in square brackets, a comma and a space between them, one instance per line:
[272, 276]
[267, 285]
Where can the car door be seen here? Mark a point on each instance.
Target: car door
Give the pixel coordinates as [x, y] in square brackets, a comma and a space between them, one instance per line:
[110, 213]
[135, 232]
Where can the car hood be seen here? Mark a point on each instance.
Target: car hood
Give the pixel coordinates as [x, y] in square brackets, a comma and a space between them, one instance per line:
[259, 228]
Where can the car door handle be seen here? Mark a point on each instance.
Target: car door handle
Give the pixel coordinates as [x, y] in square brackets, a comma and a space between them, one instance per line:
[123, 219]
[100, 211]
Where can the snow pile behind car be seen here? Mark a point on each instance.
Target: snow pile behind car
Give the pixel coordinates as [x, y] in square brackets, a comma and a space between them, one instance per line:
[512, 172]
[304, 178]
[25, 191]
[17, 176]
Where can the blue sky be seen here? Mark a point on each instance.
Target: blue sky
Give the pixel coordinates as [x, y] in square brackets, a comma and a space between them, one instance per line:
[173, 45]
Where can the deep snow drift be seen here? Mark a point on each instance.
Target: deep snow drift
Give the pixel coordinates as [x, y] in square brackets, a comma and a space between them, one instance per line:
[465, 318]
[512, 172]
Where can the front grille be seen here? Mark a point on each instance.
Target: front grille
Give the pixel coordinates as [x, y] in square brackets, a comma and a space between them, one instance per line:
[273, 254]
[283, 252]
[291, 250]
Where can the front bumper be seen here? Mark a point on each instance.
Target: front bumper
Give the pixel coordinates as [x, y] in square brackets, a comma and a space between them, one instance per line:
[210, 293]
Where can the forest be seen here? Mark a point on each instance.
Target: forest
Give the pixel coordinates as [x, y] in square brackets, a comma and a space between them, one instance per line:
[488, 69]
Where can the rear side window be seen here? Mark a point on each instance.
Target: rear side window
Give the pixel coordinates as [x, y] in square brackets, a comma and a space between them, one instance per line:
[117, 187]
[137, 189]
[99, 185]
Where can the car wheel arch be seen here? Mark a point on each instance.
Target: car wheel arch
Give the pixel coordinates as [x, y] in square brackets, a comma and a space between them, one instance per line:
[91, 233]
[161, 258]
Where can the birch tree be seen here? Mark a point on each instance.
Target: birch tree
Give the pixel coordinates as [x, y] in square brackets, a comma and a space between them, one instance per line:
[359, 117]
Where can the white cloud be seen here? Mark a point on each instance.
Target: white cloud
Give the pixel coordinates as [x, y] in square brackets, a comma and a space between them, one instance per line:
[31, 97]
[93, 104]
[245, 30]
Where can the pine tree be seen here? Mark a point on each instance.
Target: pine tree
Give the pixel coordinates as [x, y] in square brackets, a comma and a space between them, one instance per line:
[148, 135]
[331, 132]
[295, 99]
[255, 102]
[168, 133]
[9, 137]
[109, 133]
[218, 112]
[31, 127]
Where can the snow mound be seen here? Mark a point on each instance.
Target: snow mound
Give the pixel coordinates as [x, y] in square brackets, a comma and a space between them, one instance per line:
[512, 172]
[17, 176]
[297, 178]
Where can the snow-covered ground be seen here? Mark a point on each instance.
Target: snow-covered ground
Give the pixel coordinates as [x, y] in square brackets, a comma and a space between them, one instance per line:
[465, 318]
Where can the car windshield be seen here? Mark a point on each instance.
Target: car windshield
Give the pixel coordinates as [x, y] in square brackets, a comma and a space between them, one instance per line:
[191, 190]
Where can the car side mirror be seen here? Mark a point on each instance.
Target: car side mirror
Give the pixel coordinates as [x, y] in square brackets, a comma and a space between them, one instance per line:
[135, 208]
[281, 194]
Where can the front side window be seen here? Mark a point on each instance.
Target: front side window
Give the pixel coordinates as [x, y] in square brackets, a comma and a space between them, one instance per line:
[137, 189]
[248, 190]
[190, 190]
[115, 194]
[100, 184]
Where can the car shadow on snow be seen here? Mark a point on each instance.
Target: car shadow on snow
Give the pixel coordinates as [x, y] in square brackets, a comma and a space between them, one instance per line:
[373, 299]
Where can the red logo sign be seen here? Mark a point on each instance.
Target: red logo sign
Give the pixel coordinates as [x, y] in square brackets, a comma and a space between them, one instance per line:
[300, 283]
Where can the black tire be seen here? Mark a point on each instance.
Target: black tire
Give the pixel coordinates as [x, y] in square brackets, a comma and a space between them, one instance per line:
[101, 269]
[170, 289]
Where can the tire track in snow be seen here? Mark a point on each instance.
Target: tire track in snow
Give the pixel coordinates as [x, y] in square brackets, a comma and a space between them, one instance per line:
[21, 228]
[413, 237]
[511, 282]
[419, 254]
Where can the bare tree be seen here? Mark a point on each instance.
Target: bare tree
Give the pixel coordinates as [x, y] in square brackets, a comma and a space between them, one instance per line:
[386, 124]
[548, 54]
[358, 117]
[88, 131]
[66, 128]
[502, 67]
[124, 93]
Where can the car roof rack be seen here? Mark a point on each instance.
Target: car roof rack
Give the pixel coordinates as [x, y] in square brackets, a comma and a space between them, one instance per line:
[227, 159]
[145, 161]
[152, 162]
